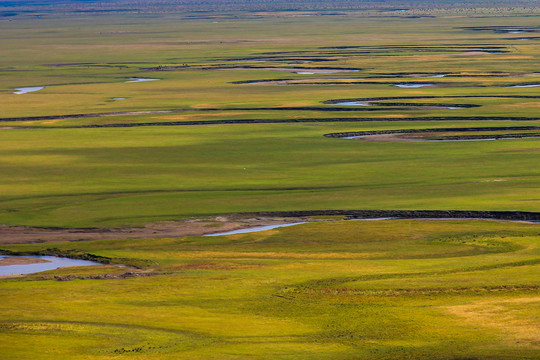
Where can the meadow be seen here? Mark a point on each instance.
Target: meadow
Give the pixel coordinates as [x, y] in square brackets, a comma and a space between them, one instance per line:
[235, 122]
[397, 289]
[60, 171]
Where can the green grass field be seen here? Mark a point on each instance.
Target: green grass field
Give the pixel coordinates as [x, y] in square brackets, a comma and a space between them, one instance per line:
[235, 124]
[115, 177]
[127, 176]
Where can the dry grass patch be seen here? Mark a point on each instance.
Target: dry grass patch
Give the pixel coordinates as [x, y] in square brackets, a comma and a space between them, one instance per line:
[515, 318]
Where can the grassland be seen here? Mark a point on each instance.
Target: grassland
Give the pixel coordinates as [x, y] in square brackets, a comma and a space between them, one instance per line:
[111, 177]
[59, 173]
[237, 123]
[400, 289]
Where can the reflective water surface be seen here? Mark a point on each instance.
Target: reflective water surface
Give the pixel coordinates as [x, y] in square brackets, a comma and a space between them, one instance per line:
[52, 263]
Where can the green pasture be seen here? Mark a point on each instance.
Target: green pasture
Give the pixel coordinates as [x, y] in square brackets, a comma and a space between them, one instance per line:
[56, 174]
[115, 177]
[400, 289]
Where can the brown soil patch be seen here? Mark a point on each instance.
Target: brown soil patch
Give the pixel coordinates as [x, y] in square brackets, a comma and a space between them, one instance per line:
[17, 260]
[170, 229]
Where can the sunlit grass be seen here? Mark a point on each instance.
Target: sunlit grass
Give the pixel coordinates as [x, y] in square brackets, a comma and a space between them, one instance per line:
[247, 296]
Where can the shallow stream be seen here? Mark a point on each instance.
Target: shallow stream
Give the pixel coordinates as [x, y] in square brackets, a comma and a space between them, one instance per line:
[52, 263]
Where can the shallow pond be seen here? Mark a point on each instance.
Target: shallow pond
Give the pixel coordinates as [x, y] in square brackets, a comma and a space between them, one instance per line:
[412, 86]
[134, 80]
[353, 103]
[52, 263]
[24, 90]
[255, 229]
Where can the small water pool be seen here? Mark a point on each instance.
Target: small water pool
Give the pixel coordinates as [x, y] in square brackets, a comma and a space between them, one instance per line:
[525, 86]
[412, 86]
[28, 89]
[134, 80]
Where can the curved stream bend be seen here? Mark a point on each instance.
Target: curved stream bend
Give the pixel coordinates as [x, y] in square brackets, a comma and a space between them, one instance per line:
[378, 100]
[405, 214]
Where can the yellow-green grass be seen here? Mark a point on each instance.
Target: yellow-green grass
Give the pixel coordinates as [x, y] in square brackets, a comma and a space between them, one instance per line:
[400, 289]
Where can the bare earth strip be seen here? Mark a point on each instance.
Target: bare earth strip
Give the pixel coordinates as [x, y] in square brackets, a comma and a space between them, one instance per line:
[10, 234]
[22, 234]
[17, 260]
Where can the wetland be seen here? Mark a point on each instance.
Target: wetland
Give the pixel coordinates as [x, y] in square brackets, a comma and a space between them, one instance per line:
[218, 203]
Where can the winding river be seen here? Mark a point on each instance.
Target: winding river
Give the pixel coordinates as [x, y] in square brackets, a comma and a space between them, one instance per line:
[255, 229]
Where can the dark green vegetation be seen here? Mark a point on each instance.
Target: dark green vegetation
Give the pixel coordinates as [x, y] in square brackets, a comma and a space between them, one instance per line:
[399, 289]
[236, 123]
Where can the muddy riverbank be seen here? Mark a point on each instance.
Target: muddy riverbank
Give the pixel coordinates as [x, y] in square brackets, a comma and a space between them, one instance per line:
[198, 227]
[422, 134]
[25, 234]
